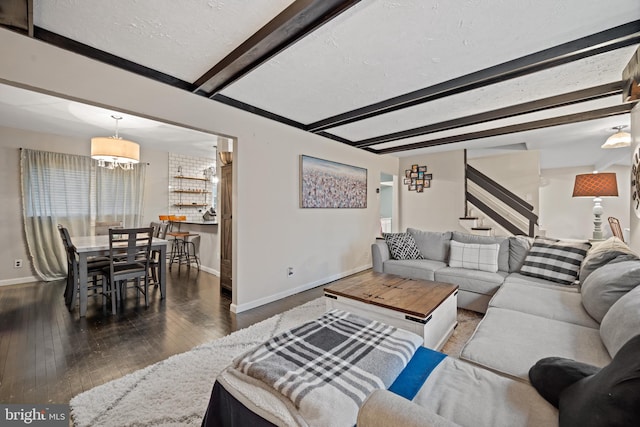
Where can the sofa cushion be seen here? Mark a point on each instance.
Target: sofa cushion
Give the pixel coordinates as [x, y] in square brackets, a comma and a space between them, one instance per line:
[607, 284]
[519, 247]
[550, 303]
[480, 282]
[471, 396]
[511, 342]
[402, 246]
[622, 321]
[474, 256]
[414, 269]
[610, 251]
[432, 245]
[555, 260]
[503, 254]
[610, 397]
[521, 279]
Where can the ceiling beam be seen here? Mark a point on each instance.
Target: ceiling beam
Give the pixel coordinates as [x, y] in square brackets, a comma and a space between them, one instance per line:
[604, 41]
[298, 20]
[100, 55]
[520, 127]
[255, 110]
[583, 95]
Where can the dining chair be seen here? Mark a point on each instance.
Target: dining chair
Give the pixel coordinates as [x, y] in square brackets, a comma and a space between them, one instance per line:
[614, 223]
[129, 259]
[94, 268]
[159, 231]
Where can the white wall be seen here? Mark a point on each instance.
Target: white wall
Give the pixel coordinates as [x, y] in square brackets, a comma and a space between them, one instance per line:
[271, 232]
[564, 216]
[11, 226]
[438, 207]
[634, 215]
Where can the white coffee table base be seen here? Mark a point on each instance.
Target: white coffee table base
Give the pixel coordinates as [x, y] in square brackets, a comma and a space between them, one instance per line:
[435, 329]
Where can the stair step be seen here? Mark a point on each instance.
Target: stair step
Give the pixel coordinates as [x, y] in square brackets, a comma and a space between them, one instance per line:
[468, 217]
[481, 228]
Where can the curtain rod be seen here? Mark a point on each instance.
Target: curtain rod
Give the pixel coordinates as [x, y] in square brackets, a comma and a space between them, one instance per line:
[148, 164]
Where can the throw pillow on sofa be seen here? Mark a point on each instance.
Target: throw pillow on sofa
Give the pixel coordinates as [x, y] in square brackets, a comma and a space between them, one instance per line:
[402, 246]
[555, 260]
[607, 284]
[474, 256]
[622, 322]
[433, 245]
[607, 252]
[503, 255]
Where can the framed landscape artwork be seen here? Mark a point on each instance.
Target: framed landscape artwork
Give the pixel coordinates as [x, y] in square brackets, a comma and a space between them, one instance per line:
[327, 184]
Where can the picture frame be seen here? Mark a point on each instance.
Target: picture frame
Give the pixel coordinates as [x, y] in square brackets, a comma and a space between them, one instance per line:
[329, 184]
[407, 181]
[412, 187]
[414, 168]
[407, 173]
[428, 176]
[427, 183]
[422, 168]
[420, 175]
[414, 174]
[419, 188]
[419, 181]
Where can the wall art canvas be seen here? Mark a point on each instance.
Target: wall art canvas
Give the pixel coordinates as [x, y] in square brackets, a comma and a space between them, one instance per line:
[327, 184]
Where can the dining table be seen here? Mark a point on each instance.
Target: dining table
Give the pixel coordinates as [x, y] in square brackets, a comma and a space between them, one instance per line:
[88, 246]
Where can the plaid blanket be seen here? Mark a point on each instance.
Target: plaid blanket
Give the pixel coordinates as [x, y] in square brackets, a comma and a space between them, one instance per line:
[328, 367]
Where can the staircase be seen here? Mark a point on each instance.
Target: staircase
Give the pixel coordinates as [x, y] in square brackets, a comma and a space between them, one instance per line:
[491, 208]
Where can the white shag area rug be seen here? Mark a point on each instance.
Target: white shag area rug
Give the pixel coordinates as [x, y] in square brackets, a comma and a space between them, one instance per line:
[176, 391]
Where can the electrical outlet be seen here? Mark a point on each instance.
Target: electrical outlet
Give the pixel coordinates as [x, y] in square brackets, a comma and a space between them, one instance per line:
[17, 263]
[289, 271]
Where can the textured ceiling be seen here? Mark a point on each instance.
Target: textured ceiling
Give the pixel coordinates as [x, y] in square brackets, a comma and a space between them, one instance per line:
[366, 53]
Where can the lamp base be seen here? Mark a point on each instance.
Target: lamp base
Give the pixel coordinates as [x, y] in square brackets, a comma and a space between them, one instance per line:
[597, 219]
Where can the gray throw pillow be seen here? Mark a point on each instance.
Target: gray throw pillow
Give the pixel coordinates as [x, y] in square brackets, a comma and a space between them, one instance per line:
[622, 322]
[402, 246]
[432, 245]
[607, 285]
[611, 250]
[503, 253]
[518, 249]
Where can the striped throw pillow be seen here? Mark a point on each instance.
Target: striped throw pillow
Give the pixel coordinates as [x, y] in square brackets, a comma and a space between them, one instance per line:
[555, 260]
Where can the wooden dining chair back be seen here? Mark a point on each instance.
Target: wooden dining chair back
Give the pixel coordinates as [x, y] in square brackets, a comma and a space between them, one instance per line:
[616, 230]
[94, 268]
[129, 259]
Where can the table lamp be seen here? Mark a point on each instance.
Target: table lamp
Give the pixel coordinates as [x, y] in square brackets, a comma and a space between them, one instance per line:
[596, 185]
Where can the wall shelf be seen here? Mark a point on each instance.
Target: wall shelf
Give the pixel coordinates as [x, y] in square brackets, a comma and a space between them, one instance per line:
[190, 191]
[191, 177]
[190, 205]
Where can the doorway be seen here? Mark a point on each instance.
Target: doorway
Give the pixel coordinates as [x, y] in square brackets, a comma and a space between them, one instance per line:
[387, 197]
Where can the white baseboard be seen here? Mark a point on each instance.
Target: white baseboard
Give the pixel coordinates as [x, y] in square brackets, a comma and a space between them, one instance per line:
[210, 270]
[19, 280]
[275, 297]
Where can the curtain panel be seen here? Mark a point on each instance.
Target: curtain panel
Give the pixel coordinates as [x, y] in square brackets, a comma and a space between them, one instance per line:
[73, 191]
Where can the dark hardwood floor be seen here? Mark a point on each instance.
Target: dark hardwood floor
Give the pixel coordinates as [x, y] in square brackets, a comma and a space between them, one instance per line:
[49, 354]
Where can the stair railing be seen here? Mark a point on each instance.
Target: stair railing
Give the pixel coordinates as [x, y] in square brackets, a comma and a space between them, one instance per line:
[499, 193]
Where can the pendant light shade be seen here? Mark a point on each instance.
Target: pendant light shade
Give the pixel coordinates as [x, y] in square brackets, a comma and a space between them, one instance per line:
[113, 151]
[618, 139]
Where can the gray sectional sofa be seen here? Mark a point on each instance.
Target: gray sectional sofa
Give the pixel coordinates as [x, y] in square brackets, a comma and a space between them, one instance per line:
[475, 287]
[526, 319]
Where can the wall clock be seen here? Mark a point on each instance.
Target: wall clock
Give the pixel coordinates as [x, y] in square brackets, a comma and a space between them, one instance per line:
[635, 181]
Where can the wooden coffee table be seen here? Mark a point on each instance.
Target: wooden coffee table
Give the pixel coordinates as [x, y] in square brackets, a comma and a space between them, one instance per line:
[424, 307]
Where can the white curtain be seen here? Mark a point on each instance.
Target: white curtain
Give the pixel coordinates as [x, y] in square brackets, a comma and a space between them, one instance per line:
[73, 191]
[120, 195]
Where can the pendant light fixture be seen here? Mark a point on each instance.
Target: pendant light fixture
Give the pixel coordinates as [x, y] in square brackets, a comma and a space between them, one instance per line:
[112, 152]
[618, 139]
